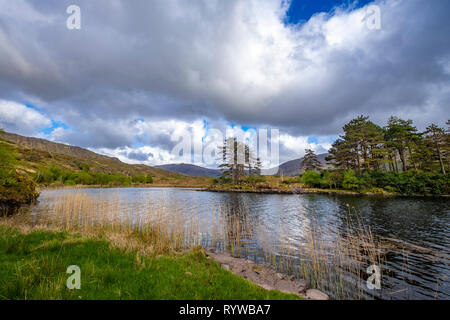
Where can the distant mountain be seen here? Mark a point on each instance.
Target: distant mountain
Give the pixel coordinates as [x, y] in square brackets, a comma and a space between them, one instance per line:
[190, 170]
[292, 168]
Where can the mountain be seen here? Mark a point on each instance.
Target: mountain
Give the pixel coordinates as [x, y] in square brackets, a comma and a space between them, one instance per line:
[292, 168]
[35, 154]
[190, 170]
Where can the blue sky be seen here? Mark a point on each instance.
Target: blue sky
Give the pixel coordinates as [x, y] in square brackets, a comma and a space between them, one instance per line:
[301, 10]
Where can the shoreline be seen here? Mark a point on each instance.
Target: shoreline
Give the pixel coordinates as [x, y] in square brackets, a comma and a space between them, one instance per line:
[265, 277]
[297, 191]
[50, 188]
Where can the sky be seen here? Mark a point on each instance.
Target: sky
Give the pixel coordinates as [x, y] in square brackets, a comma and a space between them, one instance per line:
[139, 76]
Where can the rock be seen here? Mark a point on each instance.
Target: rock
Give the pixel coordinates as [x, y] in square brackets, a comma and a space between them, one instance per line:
[226, 267]
[314, 294]
[280, 276]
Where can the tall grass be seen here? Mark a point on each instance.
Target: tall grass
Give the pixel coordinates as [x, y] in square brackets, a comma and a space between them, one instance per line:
[335, 264]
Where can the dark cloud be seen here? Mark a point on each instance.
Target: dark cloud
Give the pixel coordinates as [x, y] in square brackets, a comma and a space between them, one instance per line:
[138, 155]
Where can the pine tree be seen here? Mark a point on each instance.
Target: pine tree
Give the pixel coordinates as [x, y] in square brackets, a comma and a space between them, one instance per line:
[237, 160]
[438, 140]
[401, 136]
[310, 161]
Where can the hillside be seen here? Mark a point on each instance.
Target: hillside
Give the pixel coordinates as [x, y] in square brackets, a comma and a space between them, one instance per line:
[190, 170]
[292, 168]
[35, 154]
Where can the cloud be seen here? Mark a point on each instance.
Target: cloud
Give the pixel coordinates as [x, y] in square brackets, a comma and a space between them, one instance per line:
[174, 64]
[19, 118]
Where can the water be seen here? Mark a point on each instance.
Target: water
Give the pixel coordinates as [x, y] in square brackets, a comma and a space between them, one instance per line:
[413, 231]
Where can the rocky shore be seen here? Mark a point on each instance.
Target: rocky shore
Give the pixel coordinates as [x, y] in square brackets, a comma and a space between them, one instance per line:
[265, 277]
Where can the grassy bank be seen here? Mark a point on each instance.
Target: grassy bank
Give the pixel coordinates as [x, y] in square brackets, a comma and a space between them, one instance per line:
[33, 266]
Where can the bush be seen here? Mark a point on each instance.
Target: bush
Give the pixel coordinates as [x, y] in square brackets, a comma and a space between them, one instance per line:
[311, 178]
[146, 179]
[350, 181]
[15, 189]
[254, 179]
[222, 180]
[55, 175]
[292, 180]
[331, 179]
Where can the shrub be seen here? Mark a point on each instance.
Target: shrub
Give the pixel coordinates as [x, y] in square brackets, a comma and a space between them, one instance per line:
[222, 180]
[350, 181]
[311, 178]
[292, 180]
[254, 179]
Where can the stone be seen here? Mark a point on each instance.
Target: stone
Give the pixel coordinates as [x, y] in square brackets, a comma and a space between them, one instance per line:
[280, 276]
[314, 294]
[226, 267]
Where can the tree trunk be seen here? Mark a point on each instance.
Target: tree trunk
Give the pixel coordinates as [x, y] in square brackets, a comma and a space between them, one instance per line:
[402, 159]
[395, 163]
[441, 162]
[412, 160]
[358, 162]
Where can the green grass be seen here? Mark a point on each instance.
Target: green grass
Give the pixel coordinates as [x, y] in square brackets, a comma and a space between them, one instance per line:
[33, 266]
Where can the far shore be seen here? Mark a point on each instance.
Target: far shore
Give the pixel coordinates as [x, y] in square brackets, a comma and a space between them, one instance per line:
[318, 191]
[285, 191]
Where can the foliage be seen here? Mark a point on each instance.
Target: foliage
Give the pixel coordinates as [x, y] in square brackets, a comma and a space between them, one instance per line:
[255, 179]
[366, 147]
[410, 182]
[15, 188]
[237, 159]
[350, 181]
[54, 175]
[310, 161]
[292, 180]
[396, 158]
[331, 179]
[311, 178]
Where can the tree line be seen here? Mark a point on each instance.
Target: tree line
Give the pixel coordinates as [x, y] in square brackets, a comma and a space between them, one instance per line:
[397, 158]
[396, 147]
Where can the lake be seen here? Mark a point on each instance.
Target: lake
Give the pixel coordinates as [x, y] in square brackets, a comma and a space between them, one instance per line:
[287, 231]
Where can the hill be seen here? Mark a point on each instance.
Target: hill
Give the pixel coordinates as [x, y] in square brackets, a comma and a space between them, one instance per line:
[292, 168]
[34, 154]
[190, 170]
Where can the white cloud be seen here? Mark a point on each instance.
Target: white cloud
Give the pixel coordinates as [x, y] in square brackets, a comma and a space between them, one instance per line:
[21, 119]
